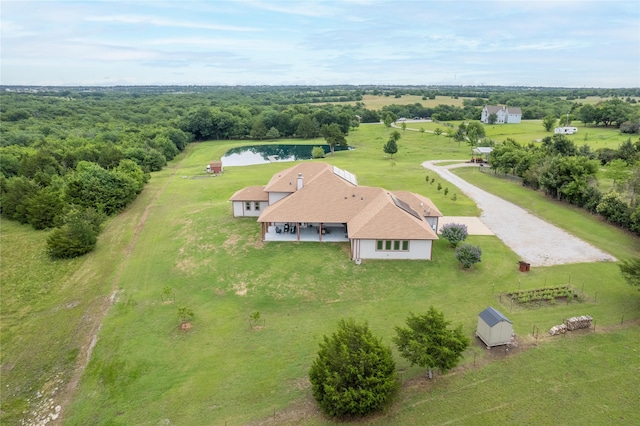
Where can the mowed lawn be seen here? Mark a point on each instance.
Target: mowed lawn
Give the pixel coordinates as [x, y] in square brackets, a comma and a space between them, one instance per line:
[144, 370]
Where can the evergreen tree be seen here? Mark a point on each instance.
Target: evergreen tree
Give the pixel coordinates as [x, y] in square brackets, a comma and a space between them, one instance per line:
[354, 373]
[428, 342]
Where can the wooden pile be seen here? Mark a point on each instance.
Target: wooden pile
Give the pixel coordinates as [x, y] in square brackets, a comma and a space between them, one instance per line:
[558, 329]
[577, 323]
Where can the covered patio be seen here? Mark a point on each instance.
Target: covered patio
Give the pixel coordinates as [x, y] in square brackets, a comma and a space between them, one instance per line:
[320, 232]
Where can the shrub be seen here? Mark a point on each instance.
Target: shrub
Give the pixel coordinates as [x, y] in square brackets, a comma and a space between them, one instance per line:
[73, 239]
[317, 152]
[354, 374]
[468, 255]
[454, 233]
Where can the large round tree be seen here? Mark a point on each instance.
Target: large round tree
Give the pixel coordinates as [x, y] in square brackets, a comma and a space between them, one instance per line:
[354, 373]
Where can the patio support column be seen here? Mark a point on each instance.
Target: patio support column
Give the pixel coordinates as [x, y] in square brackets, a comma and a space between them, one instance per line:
[298, 230]
[320, 231]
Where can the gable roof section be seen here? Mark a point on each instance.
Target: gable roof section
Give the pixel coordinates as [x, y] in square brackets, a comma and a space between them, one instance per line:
[385, 220]
[493, 109]
[492, 316]
[326, 199]
[514, 110]
[286, 180]
[250, 193]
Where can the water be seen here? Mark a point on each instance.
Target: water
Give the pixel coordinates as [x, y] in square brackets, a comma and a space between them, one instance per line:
[263, 154]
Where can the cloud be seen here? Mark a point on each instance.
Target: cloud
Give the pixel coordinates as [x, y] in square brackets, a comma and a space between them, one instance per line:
[165, 22]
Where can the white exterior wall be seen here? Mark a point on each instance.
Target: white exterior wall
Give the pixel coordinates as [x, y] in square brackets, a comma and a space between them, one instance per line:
[513, 118]
[274, 197]
[366, 249]
[499, 334]
[239, 209]
[483, 331]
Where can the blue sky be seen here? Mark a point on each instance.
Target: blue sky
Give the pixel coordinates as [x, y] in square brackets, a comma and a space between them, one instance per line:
[528, 43]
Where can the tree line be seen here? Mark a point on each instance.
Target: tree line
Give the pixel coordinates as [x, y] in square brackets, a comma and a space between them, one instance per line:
[84, 153]
[569, 173]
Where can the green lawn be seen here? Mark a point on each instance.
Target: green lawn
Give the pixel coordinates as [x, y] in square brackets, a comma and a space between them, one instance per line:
[145, 370]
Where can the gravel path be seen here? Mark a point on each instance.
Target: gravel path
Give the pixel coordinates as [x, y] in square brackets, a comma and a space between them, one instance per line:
[534, 240]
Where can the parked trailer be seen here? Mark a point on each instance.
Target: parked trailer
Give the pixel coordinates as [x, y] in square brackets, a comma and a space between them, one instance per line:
[565, 130]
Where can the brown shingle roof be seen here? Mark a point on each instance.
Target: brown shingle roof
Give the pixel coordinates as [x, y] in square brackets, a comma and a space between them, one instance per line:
[419, 203]
[250, 193]
[286, 180]
[383, 219]
[370, 212]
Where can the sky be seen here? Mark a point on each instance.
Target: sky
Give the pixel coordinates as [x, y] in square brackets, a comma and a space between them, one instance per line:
[355, 42]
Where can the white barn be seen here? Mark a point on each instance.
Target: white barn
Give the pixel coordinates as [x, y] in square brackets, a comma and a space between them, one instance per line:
[494, 329]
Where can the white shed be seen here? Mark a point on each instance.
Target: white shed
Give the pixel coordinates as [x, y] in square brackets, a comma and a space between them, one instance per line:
[494, 329]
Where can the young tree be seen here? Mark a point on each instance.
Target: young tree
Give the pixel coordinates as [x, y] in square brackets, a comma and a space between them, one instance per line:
[403, 126]
[388, 119]
[493, 117]
[468, 255]
[454, 233]
[354, 373]
[630, 270]
[391, 147]
[475, 132]
[429, 342]
[185, 314]
[548, 122]
[437, 131]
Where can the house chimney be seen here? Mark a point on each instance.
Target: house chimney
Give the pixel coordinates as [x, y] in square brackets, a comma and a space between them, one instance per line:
[300, 181]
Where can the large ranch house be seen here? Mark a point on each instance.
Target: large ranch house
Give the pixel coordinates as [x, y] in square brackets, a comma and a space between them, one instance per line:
[322, 203]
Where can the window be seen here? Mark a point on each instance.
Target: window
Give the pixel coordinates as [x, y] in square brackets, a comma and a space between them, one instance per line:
[392, 245]
[247, 205]
[256, 206]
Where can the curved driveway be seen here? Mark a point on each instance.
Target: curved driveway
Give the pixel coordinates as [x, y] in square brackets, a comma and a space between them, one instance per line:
[534, 240]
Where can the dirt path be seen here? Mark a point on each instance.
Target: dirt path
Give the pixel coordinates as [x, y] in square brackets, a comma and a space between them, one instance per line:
[95, 323]
[533, 239]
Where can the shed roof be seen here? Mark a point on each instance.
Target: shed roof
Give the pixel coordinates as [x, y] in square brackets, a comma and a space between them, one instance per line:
[492, 316]
[482, 150]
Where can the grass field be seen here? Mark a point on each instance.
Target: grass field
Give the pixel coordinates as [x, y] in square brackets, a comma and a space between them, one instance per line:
[532, 131]
[180, 233]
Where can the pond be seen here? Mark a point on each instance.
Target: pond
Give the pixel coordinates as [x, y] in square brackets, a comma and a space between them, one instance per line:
[263, 154]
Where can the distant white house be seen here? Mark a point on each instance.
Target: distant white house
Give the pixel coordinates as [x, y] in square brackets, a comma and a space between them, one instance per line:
[565, 130]
[504, 115]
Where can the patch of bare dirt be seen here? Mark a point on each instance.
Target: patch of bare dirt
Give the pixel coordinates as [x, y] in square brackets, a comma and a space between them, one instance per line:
[240, 288]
